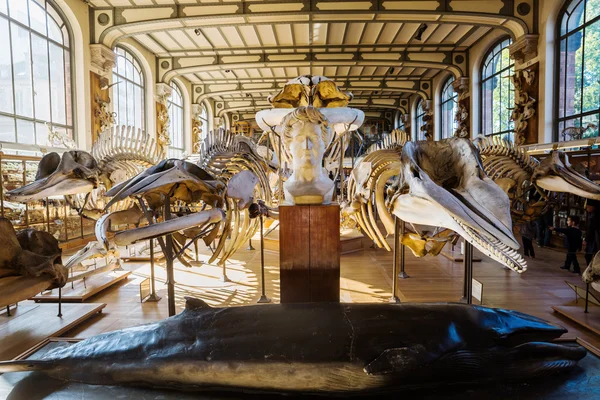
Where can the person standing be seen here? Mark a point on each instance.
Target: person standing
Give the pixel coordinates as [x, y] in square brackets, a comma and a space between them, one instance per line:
[544, 222]
[591, 242]
[573, 243]
[528, 235]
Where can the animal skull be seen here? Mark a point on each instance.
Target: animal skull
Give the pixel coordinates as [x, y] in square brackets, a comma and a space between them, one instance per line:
[443, 184]
[76, 172]
[555, 173]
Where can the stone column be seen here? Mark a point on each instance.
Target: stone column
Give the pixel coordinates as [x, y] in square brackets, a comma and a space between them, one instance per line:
[427, 127]
[462, 117]
[197, 128]
[103, 60]
[163, 94]
[524, 52]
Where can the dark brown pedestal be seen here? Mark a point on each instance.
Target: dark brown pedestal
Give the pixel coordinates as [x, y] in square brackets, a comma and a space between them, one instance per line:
[309, 255]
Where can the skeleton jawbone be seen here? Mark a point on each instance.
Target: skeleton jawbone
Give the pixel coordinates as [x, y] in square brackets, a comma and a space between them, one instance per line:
[417, 210]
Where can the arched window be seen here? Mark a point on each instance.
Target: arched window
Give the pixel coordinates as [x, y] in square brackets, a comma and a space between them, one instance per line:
[497, 92]
[579, 68]
[449, 108]
[35, 73]
[419, 123]
[177, 146]
[128, 94]
[400, 122]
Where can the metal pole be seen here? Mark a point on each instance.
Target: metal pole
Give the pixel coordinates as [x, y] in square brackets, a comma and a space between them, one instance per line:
[48, 215]
[468, 276]
[402, 274]
[59, 303]
[8, 310]
[153, 296]
[587, 296]
[341, 174]
[263, 297]
[250, 245]
[169, 259]
[394, 298]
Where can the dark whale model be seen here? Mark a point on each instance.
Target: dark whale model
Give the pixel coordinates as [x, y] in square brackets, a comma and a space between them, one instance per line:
[322, 348]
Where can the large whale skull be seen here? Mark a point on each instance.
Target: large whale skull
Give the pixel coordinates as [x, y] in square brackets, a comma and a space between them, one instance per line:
[443, 184]
[73, 173]
[556, 174]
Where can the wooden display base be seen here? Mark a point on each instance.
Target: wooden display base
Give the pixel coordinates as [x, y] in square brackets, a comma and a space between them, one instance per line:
[81, 293]
[309, 257]
[350, 242]
[30, 325]
[575, 313]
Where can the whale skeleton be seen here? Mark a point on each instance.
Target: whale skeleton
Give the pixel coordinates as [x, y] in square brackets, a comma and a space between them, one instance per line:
[438, 188]
[528, 182]
[83, 178]
[212, 190]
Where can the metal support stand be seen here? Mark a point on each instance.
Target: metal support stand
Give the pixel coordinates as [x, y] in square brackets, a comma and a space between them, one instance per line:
[468, 277]
[250, 245]
[153, 296]
[59, 303]
[8, 310]
[402, 274]
[263, 296]
[169, 259]
[587, 297]
[394, 298]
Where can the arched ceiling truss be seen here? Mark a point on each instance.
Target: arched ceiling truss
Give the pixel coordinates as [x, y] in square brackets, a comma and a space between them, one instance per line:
[237, 52]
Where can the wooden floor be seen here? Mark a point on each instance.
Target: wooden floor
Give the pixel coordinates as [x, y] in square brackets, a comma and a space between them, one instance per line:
[28, 325]
[366, 277]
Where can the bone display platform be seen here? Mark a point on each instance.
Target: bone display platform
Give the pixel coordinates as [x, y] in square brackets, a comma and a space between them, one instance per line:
[82, 291]
[29, 325]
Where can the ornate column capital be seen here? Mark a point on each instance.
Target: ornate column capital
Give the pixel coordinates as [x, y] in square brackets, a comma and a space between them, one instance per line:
[163, 93]
[524, 48]
[196, 110]
[461, 86]
[103, 59]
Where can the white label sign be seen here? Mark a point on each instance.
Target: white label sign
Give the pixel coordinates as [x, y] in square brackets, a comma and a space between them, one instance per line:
[478, 290]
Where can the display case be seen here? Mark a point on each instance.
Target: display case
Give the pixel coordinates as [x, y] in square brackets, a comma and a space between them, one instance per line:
[52, 215]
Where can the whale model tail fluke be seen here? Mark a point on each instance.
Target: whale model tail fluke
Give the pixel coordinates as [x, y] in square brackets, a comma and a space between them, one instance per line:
[24, 365]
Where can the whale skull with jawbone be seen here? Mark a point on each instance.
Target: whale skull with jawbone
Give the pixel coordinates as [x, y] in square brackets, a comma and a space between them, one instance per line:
[443, 184]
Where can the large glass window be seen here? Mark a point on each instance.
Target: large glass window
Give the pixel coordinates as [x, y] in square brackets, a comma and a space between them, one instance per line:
[579, 70]
[35, 73]
[177, 146]
[497, 92]
[449, 108]
[419, 123]
[128, 93]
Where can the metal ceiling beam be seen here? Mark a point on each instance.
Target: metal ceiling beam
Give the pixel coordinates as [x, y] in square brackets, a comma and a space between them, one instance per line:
[110, 24]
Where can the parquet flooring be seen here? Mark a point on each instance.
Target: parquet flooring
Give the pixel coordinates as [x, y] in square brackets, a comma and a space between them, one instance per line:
[366, 277]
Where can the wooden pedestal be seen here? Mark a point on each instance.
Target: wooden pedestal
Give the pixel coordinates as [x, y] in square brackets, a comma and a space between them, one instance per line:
[309, 255]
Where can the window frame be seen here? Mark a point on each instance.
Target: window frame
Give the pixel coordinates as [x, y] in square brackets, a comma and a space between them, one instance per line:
[482, 83]
[114, 96]
[448, 84]
[72, 71]
[170, 103]
[420, 113]
[557, 75]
